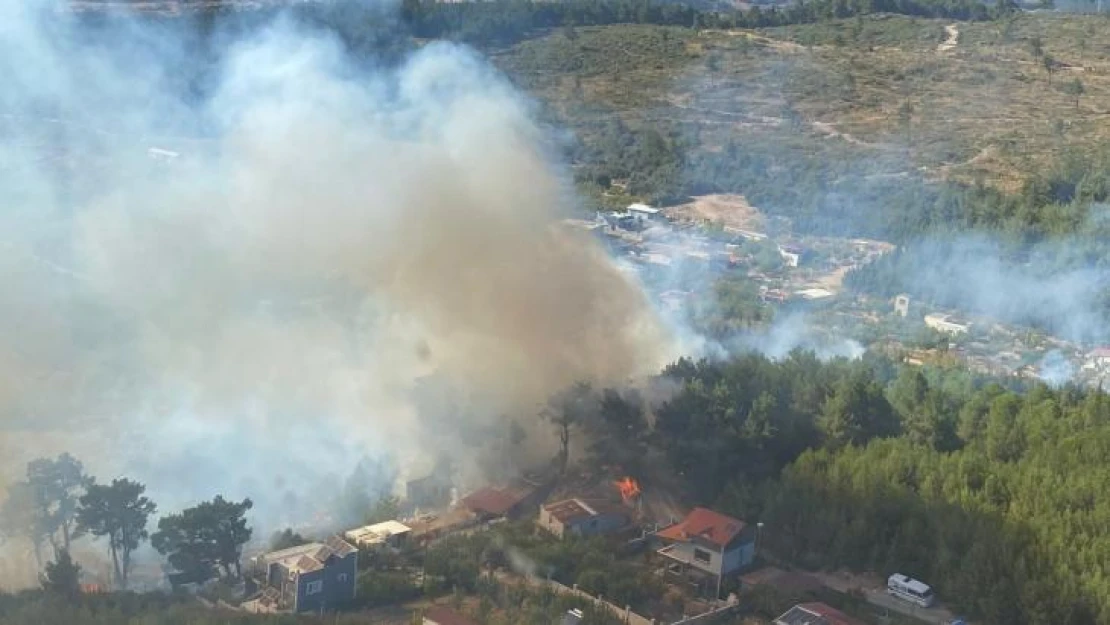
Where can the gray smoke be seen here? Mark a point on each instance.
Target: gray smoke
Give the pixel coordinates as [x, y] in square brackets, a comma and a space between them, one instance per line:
[793, 331]
[246, 309]
[1057, 285]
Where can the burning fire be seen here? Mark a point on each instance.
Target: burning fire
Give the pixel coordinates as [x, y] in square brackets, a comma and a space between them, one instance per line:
[630, 489]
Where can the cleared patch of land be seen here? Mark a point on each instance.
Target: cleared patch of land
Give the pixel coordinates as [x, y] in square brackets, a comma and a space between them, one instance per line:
[873, 89]
[732, 211]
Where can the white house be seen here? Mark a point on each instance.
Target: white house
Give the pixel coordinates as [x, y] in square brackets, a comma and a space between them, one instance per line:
[643, 210]
[710, 542]
[947, 324]
[389, 534]
[1099, 357]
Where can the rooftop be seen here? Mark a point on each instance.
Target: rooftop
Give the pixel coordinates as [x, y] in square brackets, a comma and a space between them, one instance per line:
[570, 510]
[492, 501]
[289, 557]
[309, 557]
[377, 533]
[815, 614]
[717, 528]
[911, 583]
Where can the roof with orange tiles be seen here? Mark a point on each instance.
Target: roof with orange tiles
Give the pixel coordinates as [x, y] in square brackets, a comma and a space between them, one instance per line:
[716, 528]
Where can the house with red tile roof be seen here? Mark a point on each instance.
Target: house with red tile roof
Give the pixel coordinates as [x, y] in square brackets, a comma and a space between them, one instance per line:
[709, 542]
[816, 613]
[493, 503]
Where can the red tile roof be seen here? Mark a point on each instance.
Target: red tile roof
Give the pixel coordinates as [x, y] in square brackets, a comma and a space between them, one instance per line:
[831, 615]
[443, 616]
[717, 528]
[492, 501]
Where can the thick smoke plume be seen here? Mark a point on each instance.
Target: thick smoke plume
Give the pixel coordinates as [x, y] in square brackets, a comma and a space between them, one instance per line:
[247, 308]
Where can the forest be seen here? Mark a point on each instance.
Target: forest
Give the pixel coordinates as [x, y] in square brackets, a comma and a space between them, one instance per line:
[993, 495]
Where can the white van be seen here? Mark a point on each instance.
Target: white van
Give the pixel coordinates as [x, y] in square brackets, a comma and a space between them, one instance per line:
[909, 589]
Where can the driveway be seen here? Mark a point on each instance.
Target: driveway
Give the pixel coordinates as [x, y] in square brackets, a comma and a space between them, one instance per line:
[874, 590]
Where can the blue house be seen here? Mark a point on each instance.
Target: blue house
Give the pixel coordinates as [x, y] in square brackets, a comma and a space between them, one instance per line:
[312, 578]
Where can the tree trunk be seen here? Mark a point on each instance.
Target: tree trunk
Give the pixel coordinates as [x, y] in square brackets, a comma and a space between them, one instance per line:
[564, 447]
[65, 535]
[238, 569]
[125, 567]
[115, 563]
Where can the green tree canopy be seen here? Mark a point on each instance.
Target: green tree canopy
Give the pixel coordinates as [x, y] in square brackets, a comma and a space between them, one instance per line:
[118, 512]
[208, 537]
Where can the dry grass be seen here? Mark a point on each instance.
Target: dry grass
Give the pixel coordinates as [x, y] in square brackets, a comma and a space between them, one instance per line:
[728, 210]
[980, 110]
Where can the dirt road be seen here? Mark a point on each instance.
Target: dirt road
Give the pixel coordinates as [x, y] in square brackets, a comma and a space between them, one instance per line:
[874, 590]
[953, 32]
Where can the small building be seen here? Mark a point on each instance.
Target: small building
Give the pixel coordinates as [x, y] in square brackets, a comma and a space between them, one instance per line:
[429, 527]
[768, 295]
[439, 615]
[709, 542]
[1100, 357]
[948, 324]
[433, 490]
[643, 211]
[815, 613]
[902, 305]
[494, 503]
[814, 293]
[582, 517]
[792, 255]
[391, 534]
[317, 577]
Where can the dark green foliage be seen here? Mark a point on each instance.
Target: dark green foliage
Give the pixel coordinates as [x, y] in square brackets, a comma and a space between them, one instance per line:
[286, 539]
[991, 495]
[567, 411]
[118, 512]
[208, 537]
[377, 588]
[56, 486]
[63, 576]
[619, 431]
[733, 305]
[454, 562]
[45, 608]
[506, 21]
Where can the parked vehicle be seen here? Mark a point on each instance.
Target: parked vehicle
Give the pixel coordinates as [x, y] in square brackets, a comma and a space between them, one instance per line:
[909, 589]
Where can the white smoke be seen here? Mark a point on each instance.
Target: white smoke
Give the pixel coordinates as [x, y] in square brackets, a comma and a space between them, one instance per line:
[251, 317]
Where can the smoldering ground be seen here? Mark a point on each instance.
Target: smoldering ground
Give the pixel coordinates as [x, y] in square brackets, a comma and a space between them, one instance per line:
[249, 318]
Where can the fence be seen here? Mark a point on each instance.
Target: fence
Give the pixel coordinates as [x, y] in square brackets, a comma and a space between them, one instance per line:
[710, 616]
[625, 614]
[631, 618]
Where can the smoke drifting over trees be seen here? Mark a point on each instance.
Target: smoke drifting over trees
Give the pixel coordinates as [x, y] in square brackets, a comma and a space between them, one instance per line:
[262, 303]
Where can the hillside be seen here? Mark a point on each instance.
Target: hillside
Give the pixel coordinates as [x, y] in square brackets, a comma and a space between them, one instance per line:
[880, 95]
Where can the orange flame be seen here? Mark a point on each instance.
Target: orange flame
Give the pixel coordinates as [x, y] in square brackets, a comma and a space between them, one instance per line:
[629, 488]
